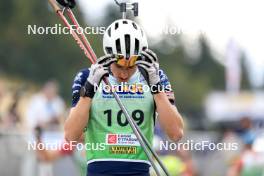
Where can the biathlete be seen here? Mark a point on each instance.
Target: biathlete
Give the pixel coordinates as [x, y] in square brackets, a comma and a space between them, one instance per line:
[131, 67]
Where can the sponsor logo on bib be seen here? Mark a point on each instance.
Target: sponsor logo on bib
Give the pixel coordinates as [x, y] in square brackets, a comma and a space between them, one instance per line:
[122, 139]
[111, 139]
[122, 150]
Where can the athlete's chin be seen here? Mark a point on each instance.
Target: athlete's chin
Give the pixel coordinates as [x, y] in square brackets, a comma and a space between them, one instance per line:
[122, 80]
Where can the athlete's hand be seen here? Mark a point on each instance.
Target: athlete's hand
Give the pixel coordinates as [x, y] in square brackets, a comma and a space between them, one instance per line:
[97, 72]
[100, 69]
[149, 61]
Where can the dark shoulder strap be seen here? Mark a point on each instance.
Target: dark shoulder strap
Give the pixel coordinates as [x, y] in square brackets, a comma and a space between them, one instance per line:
[144, 73]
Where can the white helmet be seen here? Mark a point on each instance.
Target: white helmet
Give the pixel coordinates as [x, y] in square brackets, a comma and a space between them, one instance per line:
[124, 37]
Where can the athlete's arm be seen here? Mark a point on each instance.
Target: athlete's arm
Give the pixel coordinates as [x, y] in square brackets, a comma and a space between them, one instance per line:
[78, 119]
[169, 117]
[88, 80]
[79, 113]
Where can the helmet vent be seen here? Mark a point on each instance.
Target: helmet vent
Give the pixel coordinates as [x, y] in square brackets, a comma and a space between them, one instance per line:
[134, 25]
[109, 32]
[116, 25]
[118, 46]
[127, 43]
[136, 47]
[109, 50]
[125, 22]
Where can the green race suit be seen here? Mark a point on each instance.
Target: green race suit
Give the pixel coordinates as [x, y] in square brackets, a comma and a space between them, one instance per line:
[109, 134]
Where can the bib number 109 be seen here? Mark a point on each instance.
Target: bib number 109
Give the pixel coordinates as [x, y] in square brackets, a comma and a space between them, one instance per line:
[137, 115]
